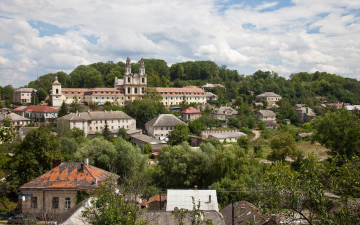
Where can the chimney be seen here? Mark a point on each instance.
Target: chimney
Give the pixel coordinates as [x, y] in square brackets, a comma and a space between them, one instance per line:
[195, 187]
[56, 162]
[96, 181]
[86, 161]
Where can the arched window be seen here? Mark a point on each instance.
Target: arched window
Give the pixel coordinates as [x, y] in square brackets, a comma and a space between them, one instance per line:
[57, 91]
[128, 90]
[128, 79]
[143, 80]
[135, 90]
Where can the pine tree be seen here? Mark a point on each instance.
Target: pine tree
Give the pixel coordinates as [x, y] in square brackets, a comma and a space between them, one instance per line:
[63, 110]
[34, 98]
[106, 133]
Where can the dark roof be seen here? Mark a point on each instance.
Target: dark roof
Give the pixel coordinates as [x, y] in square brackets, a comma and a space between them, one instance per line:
[69, 176]
[244, 212]
[164, 120]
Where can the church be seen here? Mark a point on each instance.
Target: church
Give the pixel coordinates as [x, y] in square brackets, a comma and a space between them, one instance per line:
[131, 87]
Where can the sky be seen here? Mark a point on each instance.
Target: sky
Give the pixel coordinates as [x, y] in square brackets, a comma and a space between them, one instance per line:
[45, 36]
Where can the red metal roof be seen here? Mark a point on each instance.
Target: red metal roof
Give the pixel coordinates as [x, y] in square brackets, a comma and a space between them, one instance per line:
[35, 108]
[191, 110]
[69, 176]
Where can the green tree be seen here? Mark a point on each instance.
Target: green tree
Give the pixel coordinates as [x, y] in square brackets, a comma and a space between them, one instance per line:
[261, 125]
[282, 146]
[63, 110]
[41, 94]
[7, 122]
[148, 149]
[122, 133]
[264, 102]
[110, 207]
[106, 132]
[243, 142]
[179, 134]
[100, 152]
[34, 154]
[338, 131]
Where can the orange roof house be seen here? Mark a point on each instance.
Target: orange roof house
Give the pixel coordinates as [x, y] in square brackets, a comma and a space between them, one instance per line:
[56, 190]
[190, 114]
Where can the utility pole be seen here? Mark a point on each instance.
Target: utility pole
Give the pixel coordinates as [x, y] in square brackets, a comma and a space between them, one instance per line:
[232, 213]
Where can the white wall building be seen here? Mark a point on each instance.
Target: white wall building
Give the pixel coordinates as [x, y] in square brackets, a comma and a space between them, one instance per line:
[161, 126]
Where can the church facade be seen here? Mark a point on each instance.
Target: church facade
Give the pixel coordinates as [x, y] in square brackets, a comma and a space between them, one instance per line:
[131, 87]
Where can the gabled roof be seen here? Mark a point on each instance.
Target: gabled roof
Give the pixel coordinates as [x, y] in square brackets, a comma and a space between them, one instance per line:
[267, 113]
[13, 116]
[25, 130]
[164, 120]
[268, 94]
[209, 94]
[183, 199]
[191, 110]
[69, 176]
[36, 108]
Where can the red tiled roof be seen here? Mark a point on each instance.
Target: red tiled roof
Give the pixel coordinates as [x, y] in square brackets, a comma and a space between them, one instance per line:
[191, 110]
[35, 108]
[69, 176]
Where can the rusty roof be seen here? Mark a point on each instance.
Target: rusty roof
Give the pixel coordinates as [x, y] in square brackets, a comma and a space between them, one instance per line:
[156, 198]
[69, 176]
[191, 110]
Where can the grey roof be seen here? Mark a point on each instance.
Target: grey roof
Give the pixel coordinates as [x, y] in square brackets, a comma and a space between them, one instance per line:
[164, 120]
[268, 94]
[209, 94]
[145, 138]
[223, 109]
[267, 113]
[183, 199]
[13, 116]
[305, 134]
[25, 90]
[27, 129]
[228, 135]
[309, 113]
[83, 116]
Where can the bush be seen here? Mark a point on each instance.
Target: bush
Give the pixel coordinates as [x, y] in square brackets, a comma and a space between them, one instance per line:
[265, 134]
[246, 130]
[258, 152]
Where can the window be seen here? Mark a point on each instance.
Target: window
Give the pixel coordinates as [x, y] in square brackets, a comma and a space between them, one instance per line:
[55, 202]
[135, 90]
[74, 123]
[112, 121]
[112, 127]
[96, 128]
[67, 203]
[57, 91]
[129, 89]
[143, 80]
[34, 202]
[129, 80]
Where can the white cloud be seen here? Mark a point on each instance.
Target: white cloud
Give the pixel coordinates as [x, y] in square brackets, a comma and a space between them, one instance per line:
[240, 36]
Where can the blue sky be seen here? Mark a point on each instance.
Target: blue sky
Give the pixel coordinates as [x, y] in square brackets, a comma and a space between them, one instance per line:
[282, 36]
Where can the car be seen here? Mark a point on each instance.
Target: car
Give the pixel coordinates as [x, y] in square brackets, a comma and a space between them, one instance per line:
[20, 219]
[16, 219]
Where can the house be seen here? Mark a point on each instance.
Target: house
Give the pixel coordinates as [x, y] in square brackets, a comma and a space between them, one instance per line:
[190, 114]
[258, 105]
[270, 124]
[157, 202]
[242, 213]
[352, 108]
[22, 95]
[229, 137]
[305, 113]
[17, 121]
[270, 97]
[94, 121]
[142, 139]
[223, 113]
[24, 130]
[182, 199]
[176, 96]
[211, 96]
[205, 134]
[55, 191]
[37, 113]
[266, 115]
[212, 86]
[161, 126]
[74, 215]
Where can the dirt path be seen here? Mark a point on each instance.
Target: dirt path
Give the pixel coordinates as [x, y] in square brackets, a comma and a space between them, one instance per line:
[257, 135]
